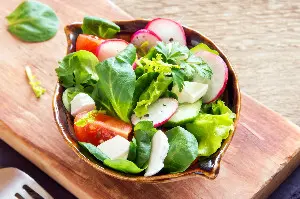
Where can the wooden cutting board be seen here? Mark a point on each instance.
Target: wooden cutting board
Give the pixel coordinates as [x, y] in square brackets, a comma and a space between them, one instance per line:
[264, 151]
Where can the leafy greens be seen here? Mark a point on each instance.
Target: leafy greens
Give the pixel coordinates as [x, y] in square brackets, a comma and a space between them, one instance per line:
[77, 69]
[33, 21]
[100, 27]
[210, 129]
[115, 87]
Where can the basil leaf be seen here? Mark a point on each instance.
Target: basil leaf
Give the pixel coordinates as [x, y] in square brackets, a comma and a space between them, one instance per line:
[183, 150]
[125, 166]
[77, 68]
[132, 150]
[33, 21]
[145, 126]
[94, 151]
[100, 27]
[116, 85]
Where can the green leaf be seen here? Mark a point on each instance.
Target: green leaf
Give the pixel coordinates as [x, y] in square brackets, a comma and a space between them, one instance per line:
[77, 68]
[125, 166]
[217, 108]
[100, 27]
[170, 94]
[154, 91]
[200, 67]
[126, 55]
[203, 46]
[68, 96]
[210, 130]
[141, 84]
[143, 142]
[116, 85]
[94, 151]
[132, 150]
[172, 52]
[33, 21]
[145, 126]
[178, 78]
[183, 150]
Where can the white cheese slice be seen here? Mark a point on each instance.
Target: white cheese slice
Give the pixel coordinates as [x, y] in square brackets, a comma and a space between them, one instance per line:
[191, 92]
[159, 151]
[115, 148]
[82, 102]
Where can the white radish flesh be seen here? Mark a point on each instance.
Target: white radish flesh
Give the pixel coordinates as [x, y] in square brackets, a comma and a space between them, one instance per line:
[168, 30]
[110, 48]
[82, 102]
[217, 84]
[159, 151]
[159, 112]
[144, 35]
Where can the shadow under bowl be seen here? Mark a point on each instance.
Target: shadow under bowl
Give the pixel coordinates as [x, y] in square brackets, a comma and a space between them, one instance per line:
[208, 167]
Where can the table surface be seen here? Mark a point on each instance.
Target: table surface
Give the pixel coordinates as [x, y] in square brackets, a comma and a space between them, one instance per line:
[260, 38]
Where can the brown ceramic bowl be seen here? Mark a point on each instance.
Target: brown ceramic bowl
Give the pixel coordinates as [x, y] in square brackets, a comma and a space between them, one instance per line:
[203, 167]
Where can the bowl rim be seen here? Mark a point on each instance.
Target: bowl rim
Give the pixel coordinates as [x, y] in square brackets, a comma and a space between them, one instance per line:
[159, 178]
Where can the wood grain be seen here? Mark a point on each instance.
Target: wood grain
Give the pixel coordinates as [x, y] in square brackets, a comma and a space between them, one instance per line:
[260, 37]
[265, 149]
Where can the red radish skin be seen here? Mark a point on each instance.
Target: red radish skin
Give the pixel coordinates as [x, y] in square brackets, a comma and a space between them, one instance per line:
[168, 30]
[140, 36]
[134, 65]
[219, 79]
[159, 112]
[110, 48]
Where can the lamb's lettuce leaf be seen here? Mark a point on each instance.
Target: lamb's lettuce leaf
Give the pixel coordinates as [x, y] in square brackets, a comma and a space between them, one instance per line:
[154, 91]
[132, 150]
[143, 133]
[203, 46]
[100, 27]
[125, 166]
[183, 150]
[94, 151]
[77, 69]
[115, 87]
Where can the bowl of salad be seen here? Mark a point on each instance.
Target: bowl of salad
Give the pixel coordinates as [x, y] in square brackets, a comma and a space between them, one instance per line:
[145, 100]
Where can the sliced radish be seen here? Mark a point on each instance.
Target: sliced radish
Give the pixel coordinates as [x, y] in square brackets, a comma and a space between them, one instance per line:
[134, 65]
[110, 48]
[217, 84]
[168, 30]
[159, 112]
[143, 35]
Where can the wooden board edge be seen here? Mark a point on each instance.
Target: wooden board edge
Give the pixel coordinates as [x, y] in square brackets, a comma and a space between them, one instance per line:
[25, 149]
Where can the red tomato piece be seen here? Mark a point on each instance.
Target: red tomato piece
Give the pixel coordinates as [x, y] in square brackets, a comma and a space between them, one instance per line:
[88, 42]
[103, 128]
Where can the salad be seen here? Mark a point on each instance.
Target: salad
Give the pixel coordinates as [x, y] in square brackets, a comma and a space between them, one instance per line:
[149, 105]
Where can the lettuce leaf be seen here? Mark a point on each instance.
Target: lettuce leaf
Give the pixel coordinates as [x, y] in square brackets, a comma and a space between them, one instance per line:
[68, 96]
[100, 27]
[115, 87]
[125, 166]
[94, 151]
[209, 131]
[154, 91]
[77, 68]
[132, 150]
[211, 126]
